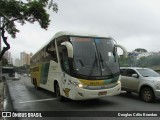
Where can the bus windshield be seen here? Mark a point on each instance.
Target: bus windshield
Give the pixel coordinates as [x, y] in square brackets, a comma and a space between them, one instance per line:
[94, 57]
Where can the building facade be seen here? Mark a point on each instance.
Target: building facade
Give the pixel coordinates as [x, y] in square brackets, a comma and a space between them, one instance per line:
[17, 63]
[25, 58]
[7, 55]
[138, 55]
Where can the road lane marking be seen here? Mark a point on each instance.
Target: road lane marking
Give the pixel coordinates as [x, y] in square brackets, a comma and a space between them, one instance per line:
[38, 100]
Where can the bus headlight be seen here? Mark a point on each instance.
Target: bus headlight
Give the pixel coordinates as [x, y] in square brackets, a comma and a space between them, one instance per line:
[118, 81]
[80, 85]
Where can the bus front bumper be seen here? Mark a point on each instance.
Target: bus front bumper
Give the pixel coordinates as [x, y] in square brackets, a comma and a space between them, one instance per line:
[82, 94]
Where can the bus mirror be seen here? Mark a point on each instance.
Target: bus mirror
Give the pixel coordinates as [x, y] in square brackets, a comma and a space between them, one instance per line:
[124, 50]
[69, 48]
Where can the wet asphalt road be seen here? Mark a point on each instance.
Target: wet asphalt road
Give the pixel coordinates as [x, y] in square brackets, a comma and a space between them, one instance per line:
[24, 97]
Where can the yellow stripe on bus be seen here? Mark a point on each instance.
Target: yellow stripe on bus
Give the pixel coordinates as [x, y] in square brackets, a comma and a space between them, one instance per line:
[99, 82]
[92, 82]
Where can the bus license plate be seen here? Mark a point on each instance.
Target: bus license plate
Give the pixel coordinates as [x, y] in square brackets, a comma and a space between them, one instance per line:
[102, 93]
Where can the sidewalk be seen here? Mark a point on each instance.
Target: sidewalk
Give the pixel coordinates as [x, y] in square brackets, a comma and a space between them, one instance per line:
[1, 95]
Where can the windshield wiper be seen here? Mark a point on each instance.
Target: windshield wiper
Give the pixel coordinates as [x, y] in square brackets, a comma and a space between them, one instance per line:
[146, 76]
[95, 62]
[79, 61]
[101, 60]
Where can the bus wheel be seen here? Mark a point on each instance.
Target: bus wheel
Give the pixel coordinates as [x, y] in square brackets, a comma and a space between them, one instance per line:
[58, 95]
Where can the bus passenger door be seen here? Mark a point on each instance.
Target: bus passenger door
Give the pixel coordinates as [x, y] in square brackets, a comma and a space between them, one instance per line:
[66, 71]
[65, 62]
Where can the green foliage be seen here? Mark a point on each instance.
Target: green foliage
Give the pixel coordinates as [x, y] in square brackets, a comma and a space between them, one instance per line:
[142, 62]
[124, 62]
[4, 61]
[12, 11]
[153, 60]
[32, 11]
[150, 61]
[140, 50]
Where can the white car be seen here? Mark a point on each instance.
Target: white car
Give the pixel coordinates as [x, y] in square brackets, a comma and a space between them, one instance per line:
[143, 81]
[25, 75]
[17, 77]
[29, 75]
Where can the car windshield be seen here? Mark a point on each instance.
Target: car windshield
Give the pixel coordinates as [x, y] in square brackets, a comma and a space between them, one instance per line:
[94, 57]
[148, 73]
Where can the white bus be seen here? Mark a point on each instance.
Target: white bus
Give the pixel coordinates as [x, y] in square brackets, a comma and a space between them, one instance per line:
[78, 66]
[8, 73]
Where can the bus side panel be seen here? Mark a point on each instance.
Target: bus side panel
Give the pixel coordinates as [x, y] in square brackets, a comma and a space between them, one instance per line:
[36, 74]
[51, 73]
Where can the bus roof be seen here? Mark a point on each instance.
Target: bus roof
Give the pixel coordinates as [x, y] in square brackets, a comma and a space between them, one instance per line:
[73, 33]
[76, 33]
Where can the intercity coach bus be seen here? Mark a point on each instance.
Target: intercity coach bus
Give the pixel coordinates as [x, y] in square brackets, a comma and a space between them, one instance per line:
[8, 73]
[78, 66]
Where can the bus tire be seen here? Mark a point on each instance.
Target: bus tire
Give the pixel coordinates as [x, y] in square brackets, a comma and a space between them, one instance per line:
[58, 94]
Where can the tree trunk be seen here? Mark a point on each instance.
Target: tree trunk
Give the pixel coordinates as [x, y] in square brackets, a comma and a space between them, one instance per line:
[5, 42]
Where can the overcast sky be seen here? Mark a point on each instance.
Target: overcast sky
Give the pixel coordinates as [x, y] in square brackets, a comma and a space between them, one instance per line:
[132, 23]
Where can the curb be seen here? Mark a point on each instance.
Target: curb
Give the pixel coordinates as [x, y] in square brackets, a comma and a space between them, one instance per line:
[5, 100]
[1, 97]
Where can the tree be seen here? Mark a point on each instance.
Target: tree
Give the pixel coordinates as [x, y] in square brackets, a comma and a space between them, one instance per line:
[12, 11]
[142, 62]
[140, 50]
[4, 61]
[127, 62]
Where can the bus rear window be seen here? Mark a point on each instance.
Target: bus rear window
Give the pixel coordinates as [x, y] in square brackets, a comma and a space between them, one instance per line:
[7, 70]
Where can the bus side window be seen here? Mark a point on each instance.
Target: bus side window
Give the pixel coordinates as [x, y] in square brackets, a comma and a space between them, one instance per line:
[52, 52]
[53, 56]
[65, 62]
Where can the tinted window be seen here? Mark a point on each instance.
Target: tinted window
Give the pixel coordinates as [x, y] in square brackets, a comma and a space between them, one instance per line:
[123, 72]
[130, 72]
[7, 70]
